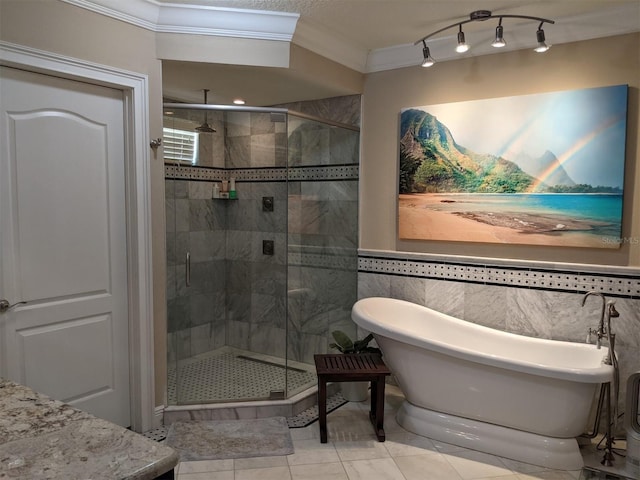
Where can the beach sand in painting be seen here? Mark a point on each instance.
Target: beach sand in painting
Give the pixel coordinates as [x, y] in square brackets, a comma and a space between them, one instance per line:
[433, 216]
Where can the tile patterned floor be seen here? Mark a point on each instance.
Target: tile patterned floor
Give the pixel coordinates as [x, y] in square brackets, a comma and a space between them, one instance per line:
[229, 374]
[353, 453]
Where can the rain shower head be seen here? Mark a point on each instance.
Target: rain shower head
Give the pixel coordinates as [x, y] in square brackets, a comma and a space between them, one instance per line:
[205, 127]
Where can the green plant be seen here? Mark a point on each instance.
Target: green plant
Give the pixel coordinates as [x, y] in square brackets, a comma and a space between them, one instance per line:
[344, 344]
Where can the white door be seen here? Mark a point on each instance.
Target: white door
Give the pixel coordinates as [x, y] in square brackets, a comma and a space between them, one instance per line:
[63, 241]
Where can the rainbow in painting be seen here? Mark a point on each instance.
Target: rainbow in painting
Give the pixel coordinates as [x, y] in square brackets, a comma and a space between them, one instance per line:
[544, 169]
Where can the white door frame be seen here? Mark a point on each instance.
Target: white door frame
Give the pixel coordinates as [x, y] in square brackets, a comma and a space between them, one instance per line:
[138, 206]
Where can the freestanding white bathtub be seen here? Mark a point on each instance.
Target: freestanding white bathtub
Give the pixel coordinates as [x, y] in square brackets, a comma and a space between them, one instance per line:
[509, 395]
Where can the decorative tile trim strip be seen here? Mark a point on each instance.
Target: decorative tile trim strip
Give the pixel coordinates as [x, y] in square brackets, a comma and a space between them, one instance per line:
[259, 174]
[334, 258]
[185, 172]
[333, 172]
[328, 261]
[274, 174]
[617, 285]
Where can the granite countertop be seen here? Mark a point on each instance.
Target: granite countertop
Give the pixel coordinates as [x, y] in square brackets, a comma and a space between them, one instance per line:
[41, 438]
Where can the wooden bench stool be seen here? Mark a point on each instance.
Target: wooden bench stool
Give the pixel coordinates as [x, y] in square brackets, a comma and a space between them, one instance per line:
[352, 367]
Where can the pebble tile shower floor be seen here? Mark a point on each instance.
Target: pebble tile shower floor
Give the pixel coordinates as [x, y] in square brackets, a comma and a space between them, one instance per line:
[228, 375]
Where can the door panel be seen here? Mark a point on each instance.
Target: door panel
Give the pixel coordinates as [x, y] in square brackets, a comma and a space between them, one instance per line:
[63, 241]
[87, 338]
[64, 197]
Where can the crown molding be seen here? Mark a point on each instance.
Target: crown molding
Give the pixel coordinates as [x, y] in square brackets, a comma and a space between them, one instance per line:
[196, 19]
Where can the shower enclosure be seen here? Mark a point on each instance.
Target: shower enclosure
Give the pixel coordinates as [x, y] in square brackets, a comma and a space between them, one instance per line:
[256, 280]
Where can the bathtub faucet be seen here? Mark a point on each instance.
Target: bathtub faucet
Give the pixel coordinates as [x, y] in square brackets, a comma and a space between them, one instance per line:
[600, 332]
[604, 330]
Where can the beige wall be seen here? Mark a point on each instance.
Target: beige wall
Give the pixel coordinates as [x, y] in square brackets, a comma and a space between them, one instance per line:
[67, 30]
[594, 63]
[312, 67]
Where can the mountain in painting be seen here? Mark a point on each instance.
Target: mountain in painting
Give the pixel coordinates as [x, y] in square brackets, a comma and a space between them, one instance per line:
[546, 167]
[432, 161]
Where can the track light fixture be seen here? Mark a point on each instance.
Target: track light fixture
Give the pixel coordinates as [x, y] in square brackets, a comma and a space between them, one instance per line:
[482, 15]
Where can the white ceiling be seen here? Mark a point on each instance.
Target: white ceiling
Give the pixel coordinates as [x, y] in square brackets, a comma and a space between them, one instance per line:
[373, 35]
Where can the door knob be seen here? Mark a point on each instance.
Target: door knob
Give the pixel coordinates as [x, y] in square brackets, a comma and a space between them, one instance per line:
[5, 306]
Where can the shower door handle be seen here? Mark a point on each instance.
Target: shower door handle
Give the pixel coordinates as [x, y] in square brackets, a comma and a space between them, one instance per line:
[187, 275]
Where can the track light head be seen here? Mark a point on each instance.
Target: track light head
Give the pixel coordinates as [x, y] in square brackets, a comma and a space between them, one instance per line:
[542, 46]
[428, 60]
[499, 41]
[462, 45]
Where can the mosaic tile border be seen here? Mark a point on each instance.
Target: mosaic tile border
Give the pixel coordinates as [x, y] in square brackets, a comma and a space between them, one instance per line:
[332, 172]
[310, 415]
[335, 258]
[186, 172]
[319, 260]
[565, 280]
[273, 174]
[277, 174]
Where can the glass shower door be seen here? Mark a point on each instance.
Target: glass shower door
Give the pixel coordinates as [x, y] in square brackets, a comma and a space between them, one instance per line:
[176, 188]
[195, 252]
[323, 234]
[226, 257]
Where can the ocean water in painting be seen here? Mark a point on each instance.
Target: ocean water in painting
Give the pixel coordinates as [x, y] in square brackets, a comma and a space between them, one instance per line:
[602, 213]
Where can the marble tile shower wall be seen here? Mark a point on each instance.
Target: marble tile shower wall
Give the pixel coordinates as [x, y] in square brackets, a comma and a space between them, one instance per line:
[524, 298]
[345, 109]
[256, 282]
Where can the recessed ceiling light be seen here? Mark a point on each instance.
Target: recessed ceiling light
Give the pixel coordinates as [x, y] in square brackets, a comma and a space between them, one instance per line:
[239, 101]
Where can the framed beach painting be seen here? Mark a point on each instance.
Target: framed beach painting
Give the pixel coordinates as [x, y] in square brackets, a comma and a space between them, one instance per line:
[543, 169]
